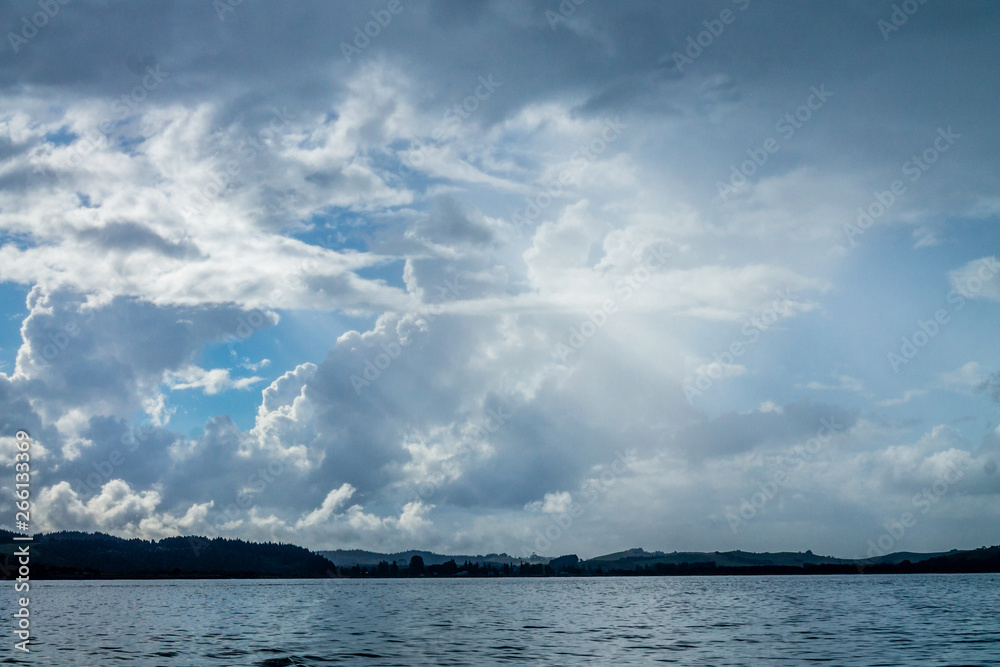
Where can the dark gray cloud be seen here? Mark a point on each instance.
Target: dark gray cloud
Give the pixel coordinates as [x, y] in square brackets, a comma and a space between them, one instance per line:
[132, 236]
[736, 433]
[450, 225]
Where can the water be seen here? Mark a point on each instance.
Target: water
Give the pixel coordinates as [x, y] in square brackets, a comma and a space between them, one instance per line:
[784, 620]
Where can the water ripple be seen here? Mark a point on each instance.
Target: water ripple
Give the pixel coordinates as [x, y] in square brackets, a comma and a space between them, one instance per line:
[725, 621]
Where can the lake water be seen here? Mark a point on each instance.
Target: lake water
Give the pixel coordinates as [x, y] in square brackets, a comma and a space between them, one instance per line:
[785, 620]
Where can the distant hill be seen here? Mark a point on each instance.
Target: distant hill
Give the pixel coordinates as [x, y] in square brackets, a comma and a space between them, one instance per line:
[75, 555]
[901, 556]
[72, 555]
[352, 557]
[633, 558]
[637, 561]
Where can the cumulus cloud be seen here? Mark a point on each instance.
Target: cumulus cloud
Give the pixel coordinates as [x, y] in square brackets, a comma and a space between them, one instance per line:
[466, 281]
[117, 509]
[211, 381]
[324, 512]
[976, 280]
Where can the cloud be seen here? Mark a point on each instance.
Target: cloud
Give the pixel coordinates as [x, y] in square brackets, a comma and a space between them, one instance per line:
[907, 396]
[333, 501]
[728, 370]
[211, 381]
[117, 509]
[464, 280]
[844, 383]
[735, 433]
[132, 237]
[976, 280]
[553, 503]
[448, 224]
[109, 359]
[966, 377]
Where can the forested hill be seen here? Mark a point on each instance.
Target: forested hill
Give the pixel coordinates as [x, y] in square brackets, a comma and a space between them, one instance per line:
[75, 555]
[70, 555]
[352, 557]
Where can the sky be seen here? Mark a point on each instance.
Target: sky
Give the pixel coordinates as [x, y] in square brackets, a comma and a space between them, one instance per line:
[522, 277]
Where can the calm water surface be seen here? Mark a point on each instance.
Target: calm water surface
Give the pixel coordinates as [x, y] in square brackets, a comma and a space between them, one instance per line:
[848, 620]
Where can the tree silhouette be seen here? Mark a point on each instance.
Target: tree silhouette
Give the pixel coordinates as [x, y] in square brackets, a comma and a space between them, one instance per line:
[416, 565]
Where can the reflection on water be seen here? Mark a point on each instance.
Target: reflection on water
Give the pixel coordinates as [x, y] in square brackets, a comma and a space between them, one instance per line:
[786, 620]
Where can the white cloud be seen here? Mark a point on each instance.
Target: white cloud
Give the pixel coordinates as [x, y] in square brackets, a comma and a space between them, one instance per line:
[333, 501]
[210, 381]
[552, 503]
[907, 396]
[728, 370]
[977, 279]
[966, 377]
[116, 509]
[844, 383]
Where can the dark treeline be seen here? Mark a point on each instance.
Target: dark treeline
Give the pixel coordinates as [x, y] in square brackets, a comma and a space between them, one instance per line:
[74, 555]
[985, 559]
[416, 568]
